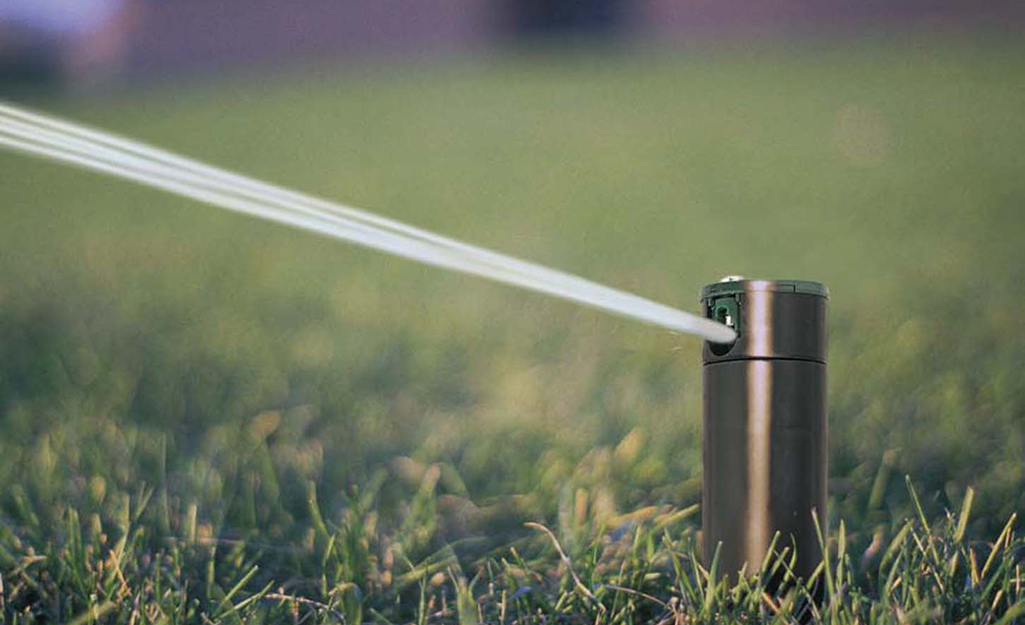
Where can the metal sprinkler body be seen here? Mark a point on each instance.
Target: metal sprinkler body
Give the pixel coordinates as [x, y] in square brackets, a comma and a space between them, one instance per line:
[764, 439]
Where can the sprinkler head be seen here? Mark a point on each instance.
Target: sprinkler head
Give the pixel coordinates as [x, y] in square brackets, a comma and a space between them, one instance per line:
[764, 439]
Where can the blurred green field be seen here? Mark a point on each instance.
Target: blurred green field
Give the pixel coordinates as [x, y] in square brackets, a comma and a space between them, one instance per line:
[220, 369]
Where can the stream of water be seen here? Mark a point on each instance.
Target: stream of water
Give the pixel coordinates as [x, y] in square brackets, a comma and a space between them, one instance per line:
[73, 144]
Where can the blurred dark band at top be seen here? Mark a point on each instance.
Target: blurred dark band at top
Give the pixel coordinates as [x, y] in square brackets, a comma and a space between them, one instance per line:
[98, 41]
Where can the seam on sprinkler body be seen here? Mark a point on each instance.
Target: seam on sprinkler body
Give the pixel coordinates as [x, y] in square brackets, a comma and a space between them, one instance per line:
[766, 358]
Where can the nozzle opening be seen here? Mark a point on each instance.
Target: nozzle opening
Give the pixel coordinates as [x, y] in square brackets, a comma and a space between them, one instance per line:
[725, 311]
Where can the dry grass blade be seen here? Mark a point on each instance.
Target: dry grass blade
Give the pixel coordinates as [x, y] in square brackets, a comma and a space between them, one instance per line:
[962, 519]
[1004, 537]
[565, 560]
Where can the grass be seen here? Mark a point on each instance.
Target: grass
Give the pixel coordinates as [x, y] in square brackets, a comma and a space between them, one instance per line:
[212, 419]
[644, 571]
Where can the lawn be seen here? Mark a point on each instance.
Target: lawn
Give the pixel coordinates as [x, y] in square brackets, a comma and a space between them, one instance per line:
[209, 418]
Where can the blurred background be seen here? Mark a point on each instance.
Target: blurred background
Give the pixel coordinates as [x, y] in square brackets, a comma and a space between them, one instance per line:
[89, 41]
[215, 370]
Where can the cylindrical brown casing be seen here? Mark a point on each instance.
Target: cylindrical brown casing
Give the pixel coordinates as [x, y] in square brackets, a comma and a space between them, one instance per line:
[765, 456]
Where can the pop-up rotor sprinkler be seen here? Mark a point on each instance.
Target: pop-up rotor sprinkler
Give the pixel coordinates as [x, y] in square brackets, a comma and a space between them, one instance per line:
[764, 441]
